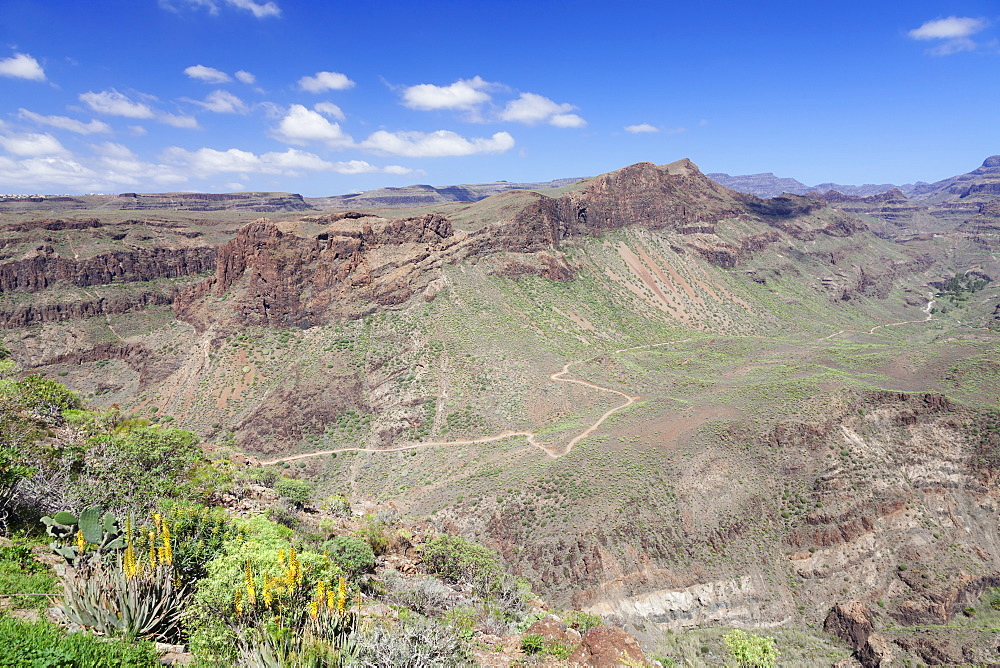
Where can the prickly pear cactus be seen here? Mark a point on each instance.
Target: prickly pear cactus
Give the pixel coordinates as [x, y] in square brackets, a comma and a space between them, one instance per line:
[100, 531]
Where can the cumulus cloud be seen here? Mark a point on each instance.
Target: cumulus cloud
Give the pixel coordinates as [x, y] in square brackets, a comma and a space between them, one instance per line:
[32, 144]
[532, 108]
[65, 123]
[954, 34]
[207, 74]
[640, 128]
[222, 102]
[293, 162]
[324, 81]
[302, 126]
[22, 66]
[329, 109]
[178, 121]
[245, 77]
[463, 94]
[113, 103]
[258, 9]
[435, 144]
[47, 174]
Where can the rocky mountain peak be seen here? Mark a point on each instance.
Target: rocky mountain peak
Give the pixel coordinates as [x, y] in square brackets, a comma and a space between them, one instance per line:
[992, 161]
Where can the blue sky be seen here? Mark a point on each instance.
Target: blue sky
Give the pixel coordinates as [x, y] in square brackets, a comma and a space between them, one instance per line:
[330, 97]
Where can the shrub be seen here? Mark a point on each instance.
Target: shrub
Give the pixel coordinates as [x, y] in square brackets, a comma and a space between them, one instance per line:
[582, 621]
[352, 555]
[459, 560]
[140, 465]
[34, 644]
[532, 643]
[751, 650]
[298, 492]
[264, 547]
[412, 645]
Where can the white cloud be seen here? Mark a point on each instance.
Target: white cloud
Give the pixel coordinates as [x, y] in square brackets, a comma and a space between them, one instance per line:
[324, 81]
[953, 34]
[22, 66]
[329, 109]
[207, 74]
[532, 108]
[245, 77]
[301, 126]
[46, 174]
[222, 102]
[65, 123]
[177, 121]
[208, 162]
[640, 128]
[435, 144]
[567, 121]
[137, 130]
[949, 28]
[258, 9]
[32, 144]
[113, 103]
[463, 94]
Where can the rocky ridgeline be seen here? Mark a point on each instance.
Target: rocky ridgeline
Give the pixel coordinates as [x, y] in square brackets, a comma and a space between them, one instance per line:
[360, 263]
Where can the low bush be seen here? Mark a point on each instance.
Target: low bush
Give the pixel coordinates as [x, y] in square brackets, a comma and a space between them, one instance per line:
[353, 555]
[298, 492]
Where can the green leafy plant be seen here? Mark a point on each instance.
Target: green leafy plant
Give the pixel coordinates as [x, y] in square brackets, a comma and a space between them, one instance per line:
[751, 650]
[533, 643]
[353, 555]
[298, 492]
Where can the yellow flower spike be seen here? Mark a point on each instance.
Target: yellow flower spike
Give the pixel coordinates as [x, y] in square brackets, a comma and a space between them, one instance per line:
[152, 549]
[157, 520]
[167, 550]
[331, 604]
[268, 596]
[238, 601]
[251, 589]
[321, 592]
[81, 543]
[281, 558]
[313, 610]
[128, 560]
[341, 596]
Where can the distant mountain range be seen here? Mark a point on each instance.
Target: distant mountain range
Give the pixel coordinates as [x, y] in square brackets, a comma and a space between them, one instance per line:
[419, 195]
[980, 184]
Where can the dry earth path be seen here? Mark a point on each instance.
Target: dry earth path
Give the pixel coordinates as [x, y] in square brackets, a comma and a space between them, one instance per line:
[531, 436]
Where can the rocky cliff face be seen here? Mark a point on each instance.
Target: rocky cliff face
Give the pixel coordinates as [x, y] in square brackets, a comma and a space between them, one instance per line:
[284, 280]
[46, 268]
[33, 314]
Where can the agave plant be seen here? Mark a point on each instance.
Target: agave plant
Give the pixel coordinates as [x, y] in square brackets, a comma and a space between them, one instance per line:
[110, 599]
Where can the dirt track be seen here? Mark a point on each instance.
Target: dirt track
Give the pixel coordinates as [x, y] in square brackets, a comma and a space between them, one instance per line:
[529, 435]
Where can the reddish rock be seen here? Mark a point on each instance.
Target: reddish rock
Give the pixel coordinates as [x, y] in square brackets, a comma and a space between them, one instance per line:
[606, 647]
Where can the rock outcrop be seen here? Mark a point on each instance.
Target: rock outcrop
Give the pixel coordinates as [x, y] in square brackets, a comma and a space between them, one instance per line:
[46, 268]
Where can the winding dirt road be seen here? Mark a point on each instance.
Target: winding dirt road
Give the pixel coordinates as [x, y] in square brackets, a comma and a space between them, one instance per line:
[530, 436]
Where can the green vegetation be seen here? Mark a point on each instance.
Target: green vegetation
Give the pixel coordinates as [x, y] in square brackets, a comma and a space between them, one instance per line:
[751, 650]
[33, 644]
